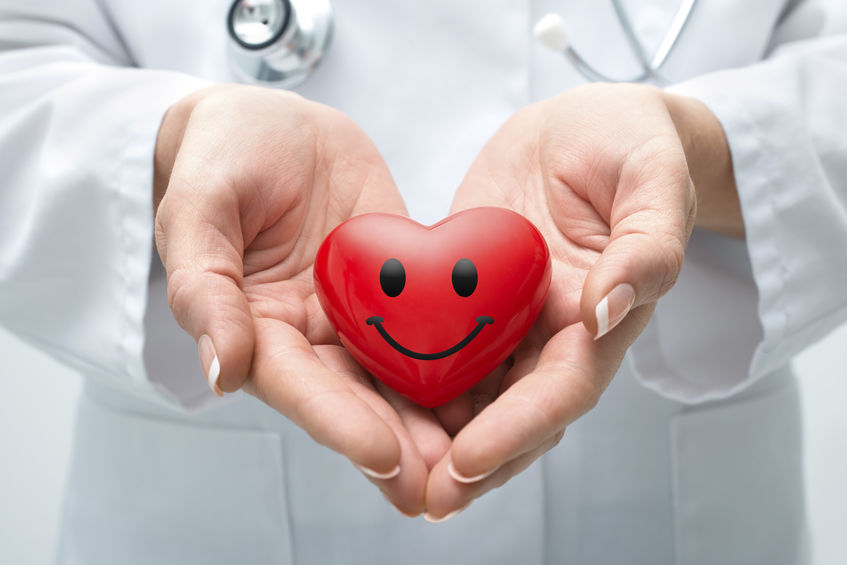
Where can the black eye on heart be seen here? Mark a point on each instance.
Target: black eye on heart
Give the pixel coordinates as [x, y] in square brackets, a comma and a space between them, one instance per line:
[392, 277]
[465, 277]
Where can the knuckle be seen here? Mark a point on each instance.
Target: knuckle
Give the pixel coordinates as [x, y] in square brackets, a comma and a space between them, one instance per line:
[583, 393]
[672, 258]
[692, 209]
[659, 166]
[160, 235]
[537, 414]
[588, 394]
[189, 290]
[661, 153]
[656, 256]
[179, 292]
[557, 438]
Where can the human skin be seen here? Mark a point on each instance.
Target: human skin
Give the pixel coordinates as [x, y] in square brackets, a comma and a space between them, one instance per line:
[248, 181]
[613, 176]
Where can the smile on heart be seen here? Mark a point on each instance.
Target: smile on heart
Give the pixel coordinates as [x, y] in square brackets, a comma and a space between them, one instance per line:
[396, 291]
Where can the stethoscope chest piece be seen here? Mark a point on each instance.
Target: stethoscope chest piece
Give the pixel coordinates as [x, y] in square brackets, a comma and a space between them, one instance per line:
[278, 42]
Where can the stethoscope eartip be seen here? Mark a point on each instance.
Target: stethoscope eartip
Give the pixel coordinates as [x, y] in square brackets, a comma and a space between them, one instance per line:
[550, 32]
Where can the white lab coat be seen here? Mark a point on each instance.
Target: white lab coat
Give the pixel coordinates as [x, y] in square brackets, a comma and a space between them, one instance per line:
[691, 457]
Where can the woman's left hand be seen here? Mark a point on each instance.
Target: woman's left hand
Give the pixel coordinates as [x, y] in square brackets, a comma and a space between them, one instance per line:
[605, 172]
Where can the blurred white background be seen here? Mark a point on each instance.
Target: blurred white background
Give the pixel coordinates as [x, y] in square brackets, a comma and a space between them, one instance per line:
[37, 410]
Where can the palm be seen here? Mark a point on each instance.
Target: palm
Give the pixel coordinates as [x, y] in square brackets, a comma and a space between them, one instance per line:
[264, 177]
[295, 340]
[601, 172]
[518, 180]
[278, 261]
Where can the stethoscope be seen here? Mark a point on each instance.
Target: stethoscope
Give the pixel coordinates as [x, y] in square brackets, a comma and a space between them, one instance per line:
[280, 42]
[550, 31]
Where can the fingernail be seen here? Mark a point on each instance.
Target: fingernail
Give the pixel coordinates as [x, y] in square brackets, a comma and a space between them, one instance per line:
[460, 478]
[377, 475]
[430, 518]
[613, 308]
[210, 362]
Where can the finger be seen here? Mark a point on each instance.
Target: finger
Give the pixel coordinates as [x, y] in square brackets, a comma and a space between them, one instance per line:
[446, 496]
[455, 414]
[572, 371]
[525, 360]
[199, 241]
[651, 220]
[405, 490]
[427, 434]
[289, 376]
[318, 328]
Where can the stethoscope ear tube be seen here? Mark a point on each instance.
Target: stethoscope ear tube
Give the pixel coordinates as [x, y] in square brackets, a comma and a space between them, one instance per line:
[278, 43]
[550, 31]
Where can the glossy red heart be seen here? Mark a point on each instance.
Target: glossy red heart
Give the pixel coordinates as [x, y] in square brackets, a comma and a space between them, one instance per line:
[432, 310]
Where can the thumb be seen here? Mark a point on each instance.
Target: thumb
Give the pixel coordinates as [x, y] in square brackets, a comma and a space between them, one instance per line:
[200, 246]
[642, 259]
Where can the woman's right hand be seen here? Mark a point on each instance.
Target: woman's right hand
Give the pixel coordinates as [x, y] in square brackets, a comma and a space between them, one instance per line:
[248, 182]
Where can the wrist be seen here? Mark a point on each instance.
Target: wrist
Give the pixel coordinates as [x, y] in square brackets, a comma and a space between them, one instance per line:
[709, 163]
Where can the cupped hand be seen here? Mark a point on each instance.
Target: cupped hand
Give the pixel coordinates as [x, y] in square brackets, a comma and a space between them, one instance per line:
[605, 172]
[249, 181]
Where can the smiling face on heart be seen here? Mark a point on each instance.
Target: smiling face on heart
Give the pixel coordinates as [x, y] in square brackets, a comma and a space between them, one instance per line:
[432, 310]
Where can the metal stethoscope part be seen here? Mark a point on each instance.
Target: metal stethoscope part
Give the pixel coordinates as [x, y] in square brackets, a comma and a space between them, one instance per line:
[278, 42]
[550, 31]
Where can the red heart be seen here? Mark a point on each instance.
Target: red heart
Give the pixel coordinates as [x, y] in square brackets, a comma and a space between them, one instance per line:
[432, 310]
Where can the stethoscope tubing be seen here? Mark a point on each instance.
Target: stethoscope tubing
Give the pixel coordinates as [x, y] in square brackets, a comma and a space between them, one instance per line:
[651, 68]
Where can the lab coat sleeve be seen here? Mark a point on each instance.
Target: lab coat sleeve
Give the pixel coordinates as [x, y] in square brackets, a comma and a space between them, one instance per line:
[78, 127]
[723, 327]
